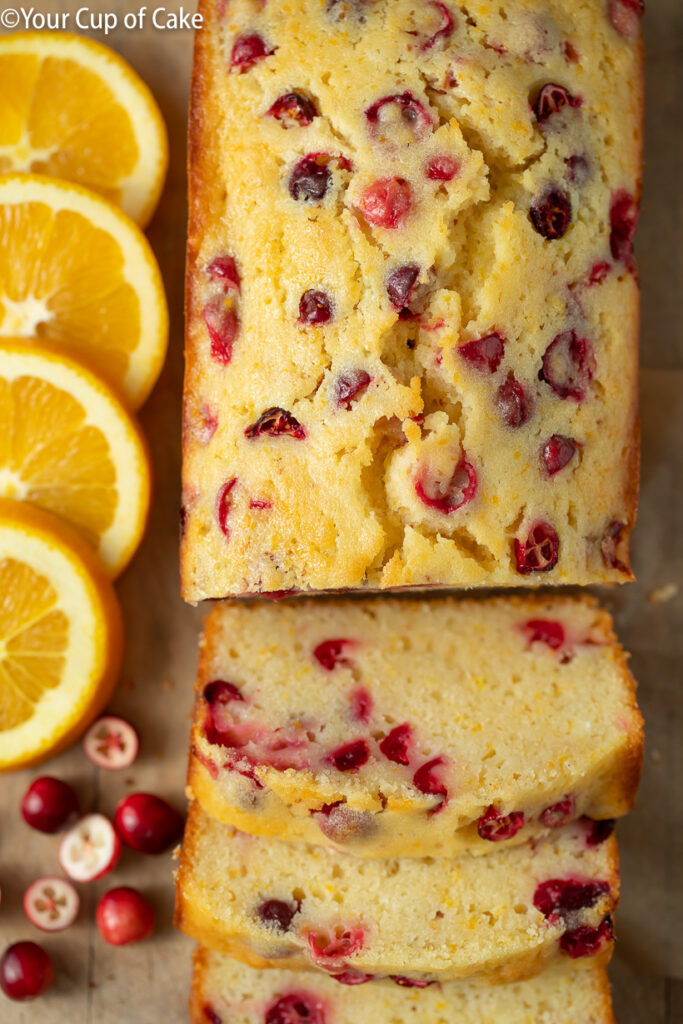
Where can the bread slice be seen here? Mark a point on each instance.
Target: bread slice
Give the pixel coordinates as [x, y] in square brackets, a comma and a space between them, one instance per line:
[394, 727]
[224, 991]
[505, 915]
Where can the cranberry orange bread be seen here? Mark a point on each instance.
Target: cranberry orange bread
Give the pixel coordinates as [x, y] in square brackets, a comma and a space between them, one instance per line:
[412, 301]
[393, 727]
[226, 992]
[503, 916]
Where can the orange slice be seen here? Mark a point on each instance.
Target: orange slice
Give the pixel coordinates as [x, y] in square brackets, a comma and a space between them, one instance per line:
[71, 108]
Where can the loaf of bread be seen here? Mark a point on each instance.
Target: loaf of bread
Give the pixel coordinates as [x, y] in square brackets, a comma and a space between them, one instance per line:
[394, 727]
[503, 916]
[412, 300]
[226, 992]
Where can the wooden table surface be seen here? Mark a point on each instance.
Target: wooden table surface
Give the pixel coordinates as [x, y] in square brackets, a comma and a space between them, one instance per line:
[148, 983]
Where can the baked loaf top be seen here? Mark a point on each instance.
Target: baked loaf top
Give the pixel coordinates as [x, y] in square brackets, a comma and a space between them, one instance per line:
[226, 992]
[393, 727]
[412, 304]
[503, 916]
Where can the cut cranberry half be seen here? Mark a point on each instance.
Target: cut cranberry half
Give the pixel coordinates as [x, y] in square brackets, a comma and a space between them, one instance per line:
[387, 202]
[51, 904]
[485, 353]
[219, 694]
[496, 827]
[293, 110]
[598, 832]
[404, 982]
[540, 551]
[352, 978]
[609, 546]
[26, 971]
[222, 323]
[442, 168]
[124, 915]
[623, 218]
[551, 99]
[559, 814]
[557, 452]
[310, 178]
[400, 285]
[147, 823]
[514, 403]
[223, 270]
[349, 386]
[278, 913]
[624, 16]
[330, 947]
[111, 743]
[447, 496]
[598, 273]
[561, 897]
[404, 108]
[551, 213]
[49, 804]
[586, 941]
[247, 50]
[296, 1008]
[330, 653]
[349, 757]
[276, 422]
[224, 505]
[445, 28]
[90, 849]
[315, 308]
[568, 366]
[427, 779]
[544, 631]
[361, 704]
[396, 745]
[220, 691]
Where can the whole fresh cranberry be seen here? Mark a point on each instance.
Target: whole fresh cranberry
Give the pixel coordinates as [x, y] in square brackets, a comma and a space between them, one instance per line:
[49, 804]
[427, 779]
[222, 324]
[147, 823]
[400, 284]
[349, 757]
[298, 1007]
[276, 422]
[447, 495]
[247, 50]
[399, 110]
[540, 551]
[349, 386]
[387, 202]
[278, 913]
[557, 452]
[551, 99]
[568, 366]
[443, 167]
[224, 505]
[293, 110]
[551, 213]
[559, 814]
[396, 745]
[586, 941]
[561, 897]
[485, 353]
[514, 403]
[545, 631]
[26, 971]
[311, 178]
[124, 915]
[496, 827]
[315, 308]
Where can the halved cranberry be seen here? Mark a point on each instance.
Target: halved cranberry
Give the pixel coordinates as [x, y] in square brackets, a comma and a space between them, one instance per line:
[315, 308]
[598, 832]
[403, 108]
[514, 403]
[449, 495]
[222, 323]
[400, 284]
[609, 546]
[310, 179]
[495, 827]
[397, 744]
[404, 982]
[484, 353]
[587, 941]
[561, 897]
[247, 50]
[445, 28]
[330, 653]
[352, 978]
[361, 704]
[349, 385]
[624, 16]
[330, 947]
[276, 422]
[224, 505]
[387, 202]
[623, 218]
[557, 452]
[293, 110]
[568, 365]
[443, 168]
[551, 99]
[350, 757]
[427, 780]
[296, 1008]
[598, 273]
[218, 694]
[223, 270]
[278, 913]
[540, 551]
[559, 814]
[545, 631]
[551, 213]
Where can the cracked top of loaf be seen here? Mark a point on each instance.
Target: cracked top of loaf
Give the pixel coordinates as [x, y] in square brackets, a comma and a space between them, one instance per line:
[412, 299]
